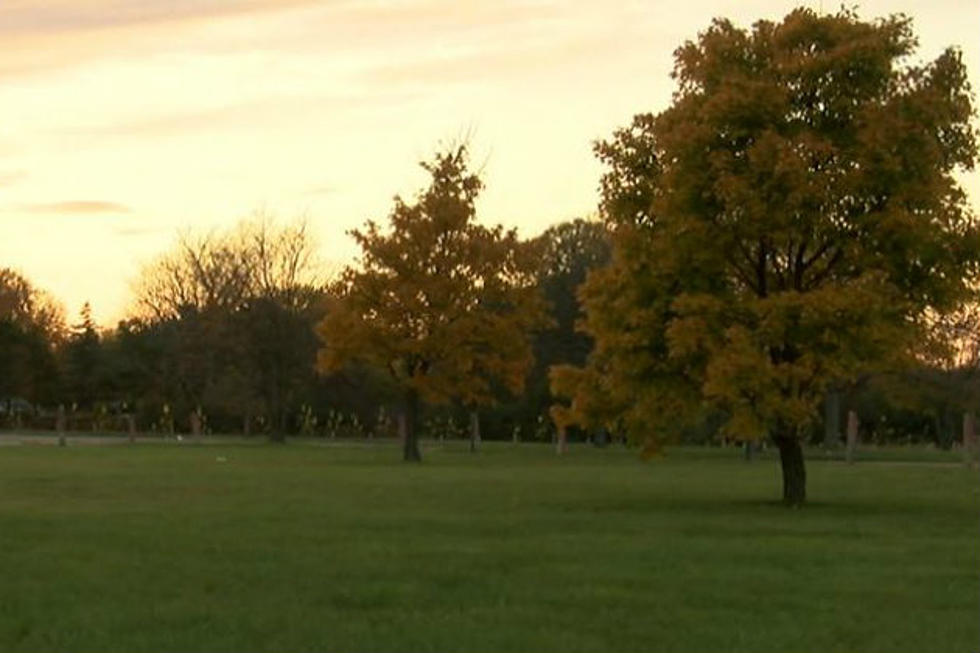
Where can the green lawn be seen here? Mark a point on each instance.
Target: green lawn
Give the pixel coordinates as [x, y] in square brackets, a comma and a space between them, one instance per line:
[309, 548]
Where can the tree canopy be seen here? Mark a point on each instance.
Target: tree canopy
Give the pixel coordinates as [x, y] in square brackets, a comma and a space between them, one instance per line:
[444, 304]
[791, 221]
[225, 320]
[32, 324]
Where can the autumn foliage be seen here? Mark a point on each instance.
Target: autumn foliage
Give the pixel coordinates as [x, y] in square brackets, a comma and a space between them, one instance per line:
[791, 221]
[445, 305]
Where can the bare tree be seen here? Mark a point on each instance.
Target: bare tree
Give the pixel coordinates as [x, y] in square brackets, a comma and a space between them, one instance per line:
[244, 303]
[224, 270]
[282, 259]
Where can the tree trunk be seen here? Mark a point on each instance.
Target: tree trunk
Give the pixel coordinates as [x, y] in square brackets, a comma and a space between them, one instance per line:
[852, 435]
[562, 440]
[61, 421]
[969, 437]
[411, 451]
[831, 436]
[794, 470]
[195, 420]
[60, 425]
[474, 431]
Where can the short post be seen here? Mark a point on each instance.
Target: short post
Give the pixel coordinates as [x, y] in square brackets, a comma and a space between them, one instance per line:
[969, 438]
[852, 434]
[168, 420]
[131, 427]
[196, 422]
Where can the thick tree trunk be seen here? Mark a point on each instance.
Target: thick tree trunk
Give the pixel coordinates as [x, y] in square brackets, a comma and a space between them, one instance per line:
[195, 420]
[562, 441]
[794, 470]
[831, 435]
[411, 451]
[474, 431]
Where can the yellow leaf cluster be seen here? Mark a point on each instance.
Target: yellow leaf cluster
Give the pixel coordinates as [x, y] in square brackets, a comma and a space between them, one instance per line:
[446, 305]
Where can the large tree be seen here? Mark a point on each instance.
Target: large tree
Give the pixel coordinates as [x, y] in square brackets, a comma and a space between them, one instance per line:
[444, 304]
[792, 220]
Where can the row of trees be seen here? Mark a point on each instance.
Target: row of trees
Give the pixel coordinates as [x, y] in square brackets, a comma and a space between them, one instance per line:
[790, 228]
[223, 322]
[223, 328]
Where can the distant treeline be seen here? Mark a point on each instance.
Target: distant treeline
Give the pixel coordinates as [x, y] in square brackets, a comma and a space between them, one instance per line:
[225, 324]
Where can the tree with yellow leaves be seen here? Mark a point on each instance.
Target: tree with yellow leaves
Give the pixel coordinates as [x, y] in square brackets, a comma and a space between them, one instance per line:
[791, 221]
[445, 305]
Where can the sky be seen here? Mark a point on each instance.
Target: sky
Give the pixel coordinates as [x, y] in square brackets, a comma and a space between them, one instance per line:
[123, 122]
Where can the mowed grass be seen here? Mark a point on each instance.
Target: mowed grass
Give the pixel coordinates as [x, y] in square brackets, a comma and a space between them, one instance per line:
[310, 548]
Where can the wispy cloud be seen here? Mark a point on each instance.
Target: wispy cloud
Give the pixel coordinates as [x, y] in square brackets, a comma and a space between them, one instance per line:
[247, 114]
[11, 177]
[322, 189]
[131, 231]
[478, 65]
[76, 206]
[49, 35]
[58, 16]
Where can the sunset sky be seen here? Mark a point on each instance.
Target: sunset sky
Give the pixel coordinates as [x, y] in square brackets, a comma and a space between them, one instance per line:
[123, 121]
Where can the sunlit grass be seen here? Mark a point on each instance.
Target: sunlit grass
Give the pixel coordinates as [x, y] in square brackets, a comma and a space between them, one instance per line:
[303, 548]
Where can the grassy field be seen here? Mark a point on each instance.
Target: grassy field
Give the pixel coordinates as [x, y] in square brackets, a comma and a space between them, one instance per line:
[314, 548]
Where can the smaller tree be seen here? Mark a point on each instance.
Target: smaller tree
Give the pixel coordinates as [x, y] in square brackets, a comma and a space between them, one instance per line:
[82, 359]
[444, 304]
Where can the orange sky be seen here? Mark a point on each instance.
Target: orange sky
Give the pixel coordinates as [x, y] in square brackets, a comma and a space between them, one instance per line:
[122, 121]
